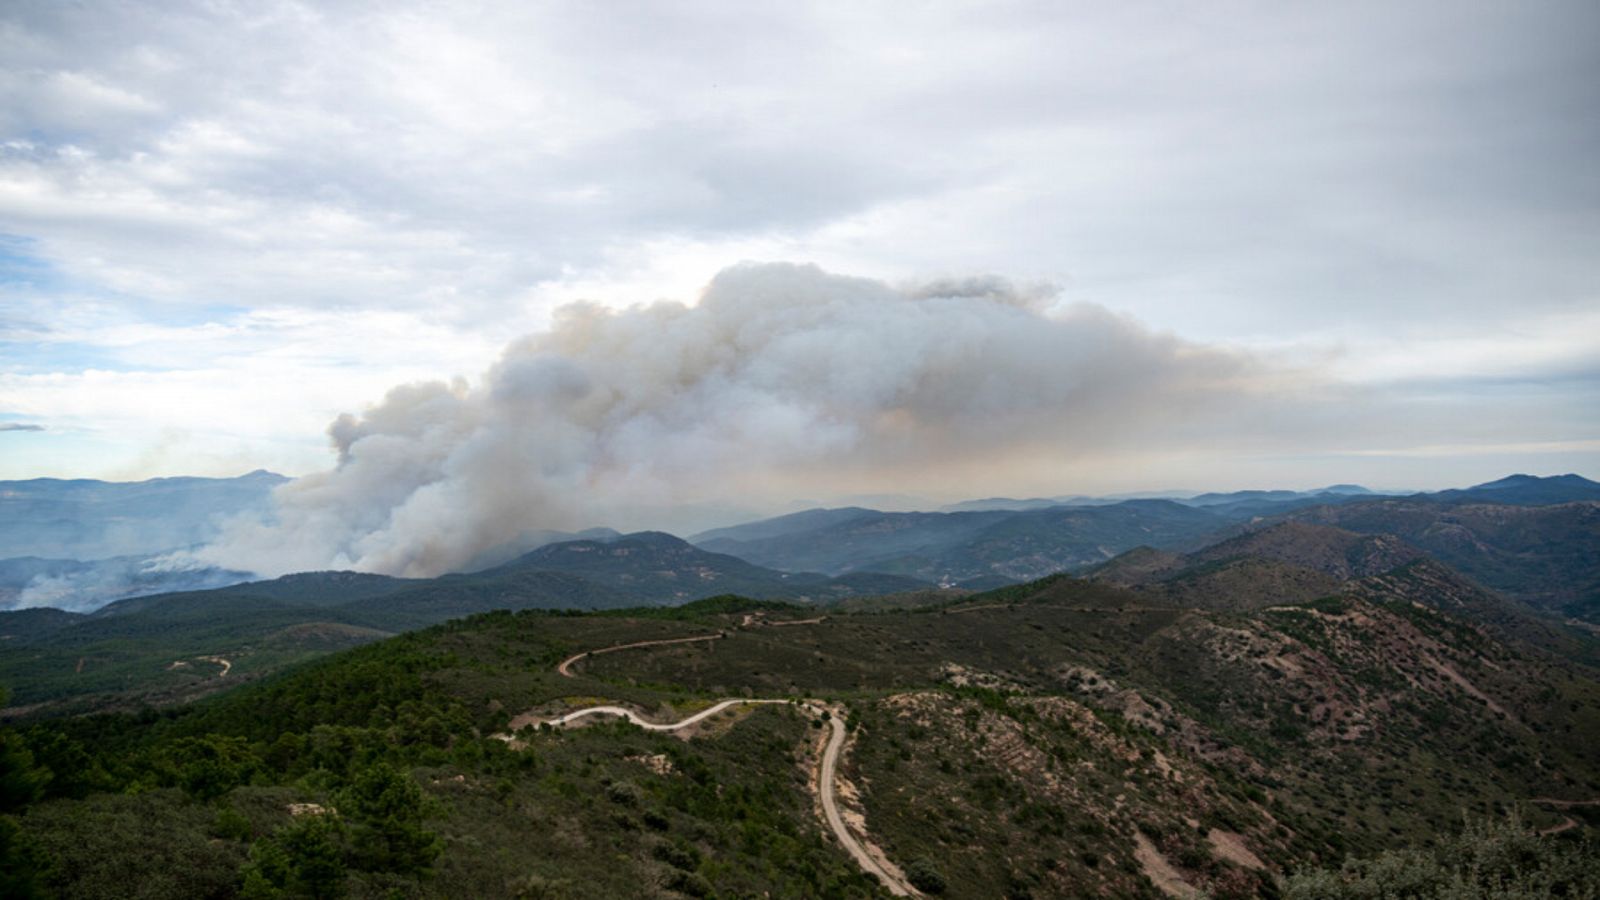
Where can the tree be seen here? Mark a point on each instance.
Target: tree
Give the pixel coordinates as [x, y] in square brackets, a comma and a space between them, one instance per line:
[21, 783]
[385, 809]
[210, 766]
[304, 859]
[72, 771]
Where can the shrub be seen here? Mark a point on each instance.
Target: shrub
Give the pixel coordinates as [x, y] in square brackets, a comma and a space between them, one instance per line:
[385, 808]
[1490, 858]
[303, 859]
[925, 876]
[624, 793]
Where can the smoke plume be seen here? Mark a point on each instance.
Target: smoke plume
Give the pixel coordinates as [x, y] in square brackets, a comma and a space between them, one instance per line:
[783, 381]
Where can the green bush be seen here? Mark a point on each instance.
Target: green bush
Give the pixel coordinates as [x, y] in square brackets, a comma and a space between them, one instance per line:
[385, 809]
[925, 876]
[304, 859]
[1491, 858]
[210, 766]
[231, 825]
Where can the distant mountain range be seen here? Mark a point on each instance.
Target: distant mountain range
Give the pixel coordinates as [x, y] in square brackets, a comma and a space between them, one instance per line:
[1187, 498]
[970, 549]
[85, 585]
[1522, 490]
[78, 544]
[1161, 553]
[1526, 490]
[1551, 556]
[50, 531]
[83, 519]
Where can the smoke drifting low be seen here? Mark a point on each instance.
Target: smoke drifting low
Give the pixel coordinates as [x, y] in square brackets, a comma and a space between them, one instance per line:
[783, 381]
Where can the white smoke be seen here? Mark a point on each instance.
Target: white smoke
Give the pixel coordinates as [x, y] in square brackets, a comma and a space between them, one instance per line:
[782, 381]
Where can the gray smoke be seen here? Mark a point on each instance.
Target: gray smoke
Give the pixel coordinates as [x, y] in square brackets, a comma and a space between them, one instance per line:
[86, 585]
[782, 381]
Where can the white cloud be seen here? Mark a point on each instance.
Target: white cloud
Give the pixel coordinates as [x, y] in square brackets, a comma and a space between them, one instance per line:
[256, 389]
[363, 155]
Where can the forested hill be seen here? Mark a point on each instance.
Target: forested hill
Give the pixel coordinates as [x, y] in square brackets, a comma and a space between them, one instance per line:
[1059, 738]
[162, 649]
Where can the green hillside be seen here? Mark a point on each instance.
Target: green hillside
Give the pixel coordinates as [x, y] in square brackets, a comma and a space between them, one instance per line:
[1544, 556]
[159, 649]
[1061, 738]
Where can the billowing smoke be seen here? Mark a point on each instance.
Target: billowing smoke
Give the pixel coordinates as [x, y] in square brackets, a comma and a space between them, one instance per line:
[782, 381]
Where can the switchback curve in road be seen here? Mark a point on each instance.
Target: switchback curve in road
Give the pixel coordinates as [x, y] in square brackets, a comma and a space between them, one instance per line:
[646, 724]
[827, 776]
[827, 779]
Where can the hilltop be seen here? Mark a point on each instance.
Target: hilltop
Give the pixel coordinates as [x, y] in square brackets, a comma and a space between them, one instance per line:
[1544, 556]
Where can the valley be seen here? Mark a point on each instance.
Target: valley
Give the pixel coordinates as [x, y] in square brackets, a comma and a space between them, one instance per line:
[1231, 717]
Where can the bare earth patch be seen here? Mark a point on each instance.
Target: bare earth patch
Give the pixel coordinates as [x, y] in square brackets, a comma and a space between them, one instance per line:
[657, 763]
[1231, 846]
[1460, 681]
[1160, 871]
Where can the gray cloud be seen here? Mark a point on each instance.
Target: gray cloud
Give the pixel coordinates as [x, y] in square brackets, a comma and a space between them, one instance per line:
[15, 426]
[1307, 180]
[1268, 168]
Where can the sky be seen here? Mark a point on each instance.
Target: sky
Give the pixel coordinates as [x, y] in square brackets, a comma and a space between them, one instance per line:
[974, 249]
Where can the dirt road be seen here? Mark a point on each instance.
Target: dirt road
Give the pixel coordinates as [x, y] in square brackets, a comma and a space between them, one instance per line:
[830, 810]
[829, 766]
[1564, 804]
[646, 724]
[227, 665]
[565, 668]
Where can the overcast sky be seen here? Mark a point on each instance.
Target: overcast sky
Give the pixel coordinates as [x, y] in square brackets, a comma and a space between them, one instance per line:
[222, 225]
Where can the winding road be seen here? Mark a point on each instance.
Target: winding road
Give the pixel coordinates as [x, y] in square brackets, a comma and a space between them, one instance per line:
[227, 665]
[827, 778]
[565, 667]
[646, 724]
[1570, 823]
[830, 810]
